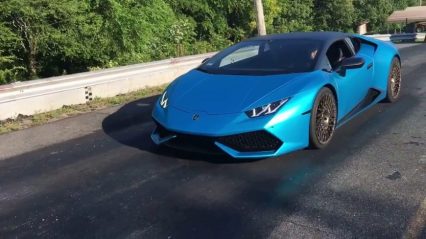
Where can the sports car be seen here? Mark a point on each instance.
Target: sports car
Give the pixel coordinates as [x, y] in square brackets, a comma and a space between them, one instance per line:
[275, 94]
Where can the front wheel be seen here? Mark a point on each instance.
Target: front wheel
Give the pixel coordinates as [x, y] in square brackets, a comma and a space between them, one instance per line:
[323, 119]
[394, 81]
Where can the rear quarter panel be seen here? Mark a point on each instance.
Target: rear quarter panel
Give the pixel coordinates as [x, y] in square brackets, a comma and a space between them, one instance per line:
[383, 57]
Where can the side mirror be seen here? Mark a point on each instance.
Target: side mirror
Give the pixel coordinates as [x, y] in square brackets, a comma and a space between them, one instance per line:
[205, 60]
[350, 63]
[353, 63]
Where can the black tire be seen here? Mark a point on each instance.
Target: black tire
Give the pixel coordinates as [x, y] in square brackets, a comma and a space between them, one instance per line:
[394, 81]
[323, 119]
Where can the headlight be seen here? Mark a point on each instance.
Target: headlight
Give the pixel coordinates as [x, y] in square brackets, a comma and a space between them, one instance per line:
[164, 100]
[266, 109]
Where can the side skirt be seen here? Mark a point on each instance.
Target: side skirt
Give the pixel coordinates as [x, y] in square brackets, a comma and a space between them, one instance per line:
[371, 96]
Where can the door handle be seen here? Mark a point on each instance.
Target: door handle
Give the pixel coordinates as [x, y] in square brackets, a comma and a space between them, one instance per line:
[369, 66]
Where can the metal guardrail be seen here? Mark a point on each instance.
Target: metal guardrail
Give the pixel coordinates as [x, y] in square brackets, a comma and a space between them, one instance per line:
[42, 95]
[403, 37]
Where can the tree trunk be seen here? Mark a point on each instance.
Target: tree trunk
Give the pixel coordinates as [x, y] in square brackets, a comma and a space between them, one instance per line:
[260, 18]
[32, 65]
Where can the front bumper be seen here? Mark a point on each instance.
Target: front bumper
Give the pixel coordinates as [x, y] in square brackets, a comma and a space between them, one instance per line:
[253, 144]
[235, 134]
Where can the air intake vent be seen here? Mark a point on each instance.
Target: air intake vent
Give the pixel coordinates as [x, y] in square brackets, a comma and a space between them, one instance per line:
[252, 141]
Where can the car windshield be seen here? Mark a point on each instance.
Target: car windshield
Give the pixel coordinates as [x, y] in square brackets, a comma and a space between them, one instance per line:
[265, 57]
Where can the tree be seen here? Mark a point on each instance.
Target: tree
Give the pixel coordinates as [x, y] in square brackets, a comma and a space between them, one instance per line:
[402, 4]
[374, 11]
[48, 34]
[135, 30]
[331, 15]
[293, 15]
[11, 68]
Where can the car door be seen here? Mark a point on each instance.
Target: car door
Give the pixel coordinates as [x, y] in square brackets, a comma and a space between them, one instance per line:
[354, 84]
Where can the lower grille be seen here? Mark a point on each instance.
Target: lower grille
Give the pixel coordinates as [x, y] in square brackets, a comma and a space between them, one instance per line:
[194, 143]
[245, 142]
[252, 141]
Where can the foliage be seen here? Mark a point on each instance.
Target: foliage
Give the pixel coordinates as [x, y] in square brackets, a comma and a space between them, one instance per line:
[334, 15]
[10, 67]
[42, 38]
[293, 15]
[375, 11]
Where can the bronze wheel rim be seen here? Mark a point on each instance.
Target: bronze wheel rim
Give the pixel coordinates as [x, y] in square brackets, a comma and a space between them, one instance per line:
[395, 81]
[325, 119]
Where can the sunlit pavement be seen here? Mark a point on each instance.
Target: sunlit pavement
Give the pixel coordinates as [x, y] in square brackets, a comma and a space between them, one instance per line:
[99, 176]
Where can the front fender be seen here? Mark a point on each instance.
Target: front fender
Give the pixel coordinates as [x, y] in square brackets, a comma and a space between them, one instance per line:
[303, 91]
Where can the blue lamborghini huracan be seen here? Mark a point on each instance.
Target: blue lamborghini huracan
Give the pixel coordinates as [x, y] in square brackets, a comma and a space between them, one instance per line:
[274, 94]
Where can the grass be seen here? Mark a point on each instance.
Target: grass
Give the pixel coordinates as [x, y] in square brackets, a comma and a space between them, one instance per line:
[27, 121]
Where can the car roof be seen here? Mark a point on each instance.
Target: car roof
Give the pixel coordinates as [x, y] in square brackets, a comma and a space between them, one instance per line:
[322, 36]
[326, 39]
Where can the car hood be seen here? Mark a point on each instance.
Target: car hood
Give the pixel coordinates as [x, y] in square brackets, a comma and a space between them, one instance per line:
[197, 91]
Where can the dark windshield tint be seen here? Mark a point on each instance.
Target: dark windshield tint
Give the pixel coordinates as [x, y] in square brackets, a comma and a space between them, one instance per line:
[265, 57]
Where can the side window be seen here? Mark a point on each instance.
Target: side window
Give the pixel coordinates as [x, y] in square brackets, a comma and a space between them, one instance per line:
[356, 42]
[325, 64]
[337, 52]
[240, 54]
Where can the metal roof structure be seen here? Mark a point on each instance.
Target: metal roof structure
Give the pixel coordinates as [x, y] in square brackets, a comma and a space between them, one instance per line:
[409, 15]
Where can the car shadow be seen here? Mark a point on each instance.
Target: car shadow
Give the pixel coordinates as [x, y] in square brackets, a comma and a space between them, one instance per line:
[132, 125]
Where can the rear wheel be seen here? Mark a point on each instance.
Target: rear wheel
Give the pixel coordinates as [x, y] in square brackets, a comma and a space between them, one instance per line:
[323, 119]
[394, 81]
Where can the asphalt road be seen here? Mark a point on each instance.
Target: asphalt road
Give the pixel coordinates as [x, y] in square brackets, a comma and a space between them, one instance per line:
[113, 183]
